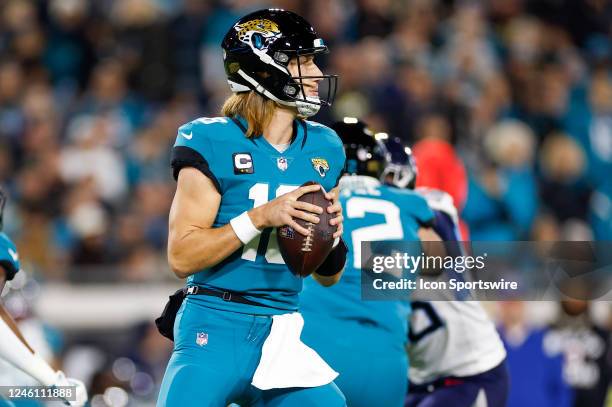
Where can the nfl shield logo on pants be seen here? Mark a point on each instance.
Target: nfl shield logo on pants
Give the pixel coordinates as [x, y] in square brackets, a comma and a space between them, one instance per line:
[201, 338]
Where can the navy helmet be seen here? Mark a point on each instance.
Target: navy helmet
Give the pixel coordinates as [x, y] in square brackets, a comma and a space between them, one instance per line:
[400, 167]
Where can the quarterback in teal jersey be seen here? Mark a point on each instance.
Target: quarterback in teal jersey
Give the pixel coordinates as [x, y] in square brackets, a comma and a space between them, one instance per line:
[13, 347]
[238, 178]
[365, 340]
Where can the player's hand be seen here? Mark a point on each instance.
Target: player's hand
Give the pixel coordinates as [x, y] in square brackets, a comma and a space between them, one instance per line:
[335, 208]
[282, 210]
[80, 390]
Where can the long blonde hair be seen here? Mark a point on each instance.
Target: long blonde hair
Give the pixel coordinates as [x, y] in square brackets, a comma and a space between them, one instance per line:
[253, 107]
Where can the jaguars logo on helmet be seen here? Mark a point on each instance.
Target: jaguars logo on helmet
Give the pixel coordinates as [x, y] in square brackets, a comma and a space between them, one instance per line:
[259, 33]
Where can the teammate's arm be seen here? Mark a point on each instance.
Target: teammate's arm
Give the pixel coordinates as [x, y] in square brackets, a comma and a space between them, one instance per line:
[15, 350]
[433, 246]
[4, 315]
[431, 242]
[193, 244]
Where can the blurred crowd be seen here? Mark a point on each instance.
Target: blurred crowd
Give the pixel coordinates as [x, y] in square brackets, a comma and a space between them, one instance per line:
[92, 93]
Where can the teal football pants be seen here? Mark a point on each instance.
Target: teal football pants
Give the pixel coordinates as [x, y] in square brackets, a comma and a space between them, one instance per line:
[373, 364]
[5, 402]
[215, 356]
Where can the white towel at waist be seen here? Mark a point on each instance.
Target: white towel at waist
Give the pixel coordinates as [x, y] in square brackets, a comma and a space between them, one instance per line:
[286, 361]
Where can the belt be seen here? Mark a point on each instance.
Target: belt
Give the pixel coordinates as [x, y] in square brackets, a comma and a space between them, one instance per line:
[224, 295]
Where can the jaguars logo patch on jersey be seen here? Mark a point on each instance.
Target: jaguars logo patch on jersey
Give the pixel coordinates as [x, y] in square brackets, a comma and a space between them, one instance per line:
[320, 165]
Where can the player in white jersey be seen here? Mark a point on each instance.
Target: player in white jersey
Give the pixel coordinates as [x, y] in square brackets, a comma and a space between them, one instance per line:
[456, 356]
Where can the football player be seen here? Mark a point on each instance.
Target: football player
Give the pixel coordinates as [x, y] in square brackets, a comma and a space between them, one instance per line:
[365, 341]
[456, 355]
[238, 177]
[13, 347]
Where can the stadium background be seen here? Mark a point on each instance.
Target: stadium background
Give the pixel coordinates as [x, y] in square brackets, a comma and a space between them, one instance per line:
[92, 92]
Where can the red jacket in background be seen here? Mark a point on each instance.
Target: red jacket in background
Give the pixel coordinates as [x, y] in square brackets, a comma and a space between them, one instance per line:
[440, 167]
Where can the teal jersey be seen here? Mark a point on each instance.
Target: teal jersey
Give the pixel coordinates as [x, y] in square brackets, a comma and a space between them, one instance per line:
[9, 259]
[372, 212]
[249, 172]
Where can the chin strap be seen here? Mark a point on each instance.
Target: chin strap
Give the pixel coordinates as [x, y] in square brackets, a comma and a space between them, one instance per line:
[306, 108]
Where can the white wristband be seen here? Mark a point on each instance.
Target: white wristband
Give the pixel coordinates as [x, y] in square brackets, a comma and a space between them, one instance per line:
[244, 228]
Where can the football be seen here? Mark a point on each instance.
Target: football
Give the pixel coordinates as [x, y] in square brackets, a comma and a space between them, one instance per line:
[304, 254]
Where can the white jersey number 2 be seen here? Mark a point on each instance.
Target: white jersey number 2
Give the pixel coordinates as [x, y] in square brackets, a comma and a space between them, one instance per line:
[391, 229]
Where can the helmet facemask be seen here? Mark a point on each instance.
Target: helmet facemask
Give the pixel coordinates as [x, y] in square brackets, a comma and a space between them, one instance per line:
[327, 85]
[400, 176]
